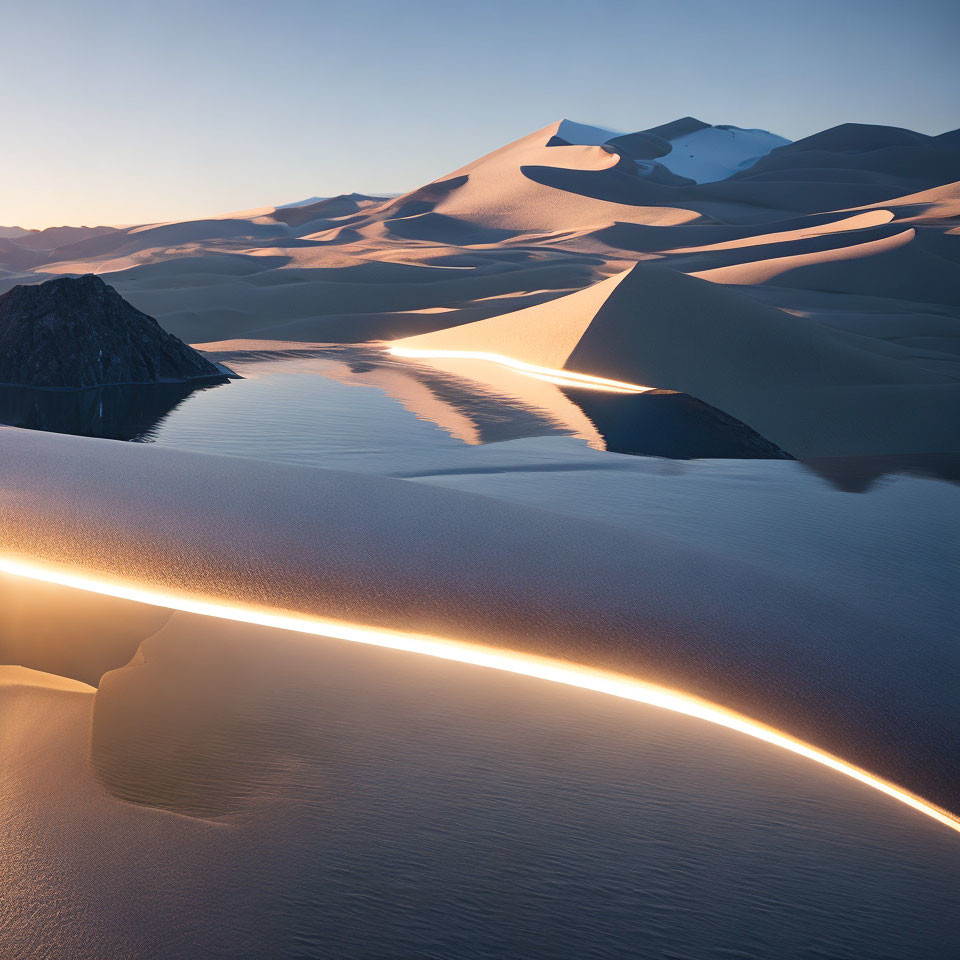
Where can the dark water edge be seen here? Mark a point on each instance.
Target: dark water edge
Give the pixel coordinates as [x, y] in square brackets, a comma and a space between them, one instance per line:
[859, 474]
[658, 423]
[664, 424]
[676, 426]
[655, 424]
[114, 412]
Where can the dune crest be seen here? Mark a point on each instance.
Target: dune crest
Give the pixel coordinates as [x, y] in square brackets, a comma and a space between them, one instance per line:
[762, 271]
[655, 327]
[841, 247]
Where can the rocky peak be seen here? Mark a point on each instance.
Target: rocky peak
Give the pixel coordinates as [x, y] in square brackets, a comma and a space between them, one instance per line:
[79, 332]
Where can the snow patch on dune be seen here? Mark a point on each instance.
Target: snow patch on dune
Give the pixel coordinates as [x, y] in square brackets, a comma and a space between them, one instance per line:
[716, 153]
[704, 155]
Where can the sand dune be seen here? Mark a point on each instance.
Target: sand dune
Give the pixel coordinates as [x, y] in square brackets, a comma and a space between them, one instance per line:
[333, 773]
[839, 230]
[495, 190]
[761, 271]
[906, 267]
[81, 641]
[859, 221]
[72, 851]
[17, 678]
[657, 328]
[248, 531]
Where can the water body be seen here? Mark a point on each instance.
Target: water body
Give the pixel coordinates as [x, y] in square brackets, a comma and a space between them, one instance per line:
[272, 796]
[415, 418]
[660, 423]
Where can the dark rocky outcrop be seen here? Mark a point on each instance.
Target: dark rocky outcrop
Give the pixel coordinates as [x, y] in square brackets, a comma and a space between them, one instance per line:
[79, 332]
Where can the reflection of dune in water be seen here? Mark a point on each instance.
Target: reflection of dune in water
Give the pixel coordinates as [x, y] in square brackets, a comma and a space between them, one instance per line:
[472, 402]
[477, 401]
[858, 474]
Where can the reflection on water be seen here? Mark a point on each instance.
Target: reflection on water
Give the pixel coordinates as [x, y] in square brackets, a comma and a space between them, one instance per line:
[662, 423]
[303, 406]
[120, 412]
[859, 474]
[472, 403]
[414, 418]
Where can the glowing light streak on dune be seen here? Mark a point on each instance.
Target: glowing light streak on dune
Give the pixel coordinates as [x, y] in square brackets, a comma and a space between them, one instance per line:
[566, 382]
[508, 661]
[565, 378]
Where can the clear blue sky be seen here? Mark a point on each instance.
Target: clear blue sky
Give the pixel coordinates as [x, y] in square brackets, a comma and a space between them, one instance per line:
[144, 110]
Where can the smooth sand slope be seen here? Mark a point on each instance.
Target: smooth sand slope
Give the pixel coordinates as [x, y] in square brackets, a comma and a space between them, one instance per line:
[389, 553]
[84, 874]
[327, 797]
[813, 390]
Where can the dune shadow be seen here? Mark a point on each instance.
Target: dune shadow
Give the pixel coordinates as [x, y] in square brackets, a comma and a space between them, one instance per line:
[205, 725]
[611, 186]
[427, 197]
[439, 228]
[778, 249]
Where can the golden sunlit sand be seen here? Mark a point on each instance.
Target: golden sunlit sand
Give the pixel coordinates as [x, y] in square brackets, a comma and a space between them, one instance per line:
[563, 378]
[553, 671]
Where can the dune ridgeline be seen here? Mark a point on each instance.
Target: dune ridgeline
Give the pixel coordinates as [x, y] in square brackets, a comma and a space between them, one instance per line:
[810, 289]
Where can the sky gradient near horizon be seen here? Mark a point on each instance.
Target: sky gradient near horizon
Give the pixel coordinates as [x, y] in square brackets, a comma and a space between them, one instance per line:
[142, 110]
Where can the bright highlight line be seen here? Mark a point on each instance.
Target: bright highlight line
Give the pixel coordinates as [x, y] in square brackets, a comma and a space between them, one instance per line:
[508, 661]
[564, 378]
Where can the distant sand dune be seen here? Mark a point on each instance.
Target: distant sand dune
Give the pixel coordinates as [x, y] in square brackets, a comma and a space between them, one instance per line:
[658, 328]
[857, 222]
[763, 270]
[831, 235]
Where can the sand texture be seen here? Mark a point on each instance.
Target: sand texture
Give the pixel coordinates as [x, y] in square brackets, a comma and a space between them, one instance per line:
[391, 553]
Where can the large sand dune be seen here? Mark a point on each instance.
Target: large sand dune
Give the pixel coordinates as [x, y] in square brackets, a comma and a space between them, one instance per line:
[339, 798]
[833, 235]
[390, 554]
[813, 390]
